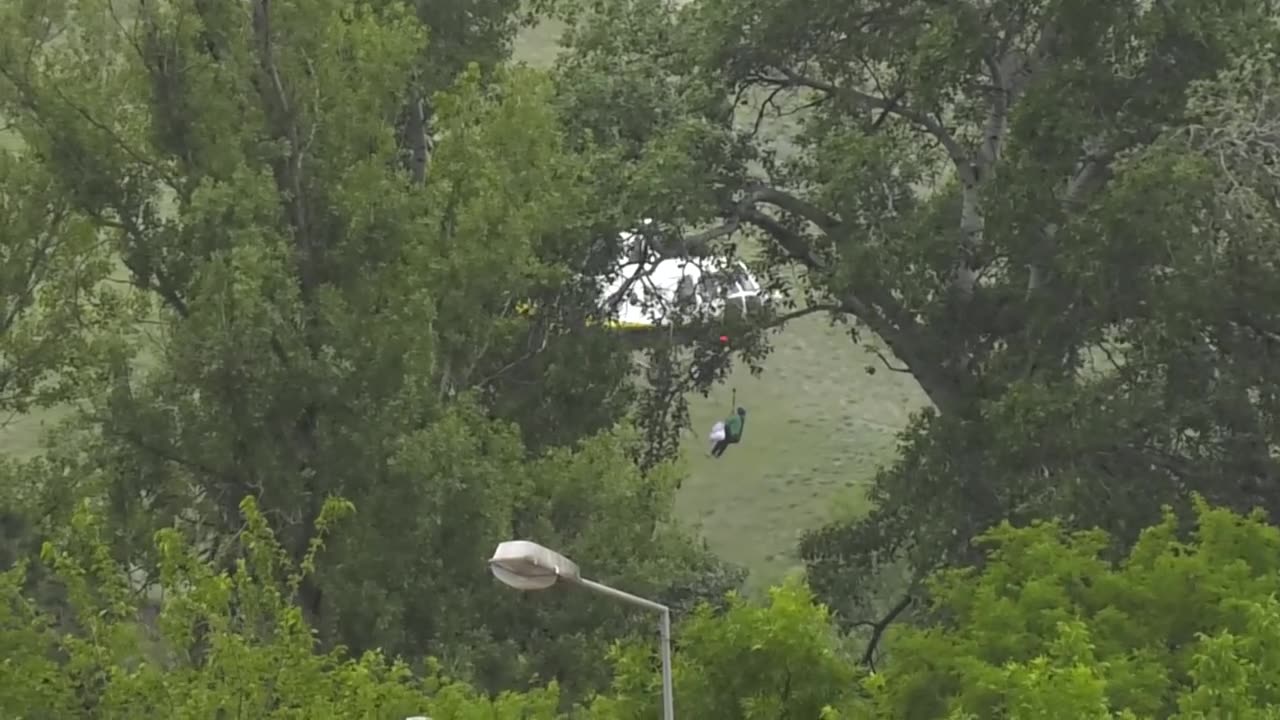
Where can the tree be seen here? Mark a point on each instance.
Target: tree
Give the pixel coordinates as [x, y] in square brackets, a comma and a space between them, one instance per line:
[1052, 628]
[783, 659]
[56, 312]
[60, 317]
[1182, 627]
[991, 193]
[1055, 624]
[462, 34]
[235, 643]
[1172, 394]
[329, 327]
[220, 644]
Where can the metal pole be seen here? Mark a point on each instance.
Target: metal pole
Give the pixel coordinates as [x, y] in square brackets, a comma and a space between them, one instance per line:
[668, 692]
[664, 630]
[617, 594]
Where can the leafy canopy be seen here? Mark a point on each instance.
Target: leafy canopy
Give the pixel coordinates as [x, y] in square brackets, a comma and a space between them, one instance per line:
[322, 323]
[1050, 628]
[1022, 204]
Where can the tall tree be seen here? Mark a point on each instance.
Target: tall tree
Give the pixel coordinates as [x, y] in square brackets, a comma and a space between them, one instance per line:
[961, 182]
[330, 327]
[462, 33]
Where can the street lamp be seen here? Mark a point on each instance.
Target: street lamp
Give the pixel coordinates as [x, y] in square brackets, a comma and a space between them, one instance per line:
[525, 565]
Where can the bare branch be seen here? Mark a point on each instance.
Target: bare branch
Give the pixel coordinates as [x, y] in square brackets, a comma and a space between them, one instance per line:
[764, 108]
[780, 320]
[792, 204]
[867, 101]
[887, 364]
[698, 243]
[878, 628]
[792, 243]
[1017, 69]
[1090, 175]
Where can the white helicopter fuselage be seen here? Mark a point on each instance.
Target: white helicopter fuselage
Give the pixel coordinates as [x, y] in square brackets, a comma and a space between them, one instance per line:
[654, 291]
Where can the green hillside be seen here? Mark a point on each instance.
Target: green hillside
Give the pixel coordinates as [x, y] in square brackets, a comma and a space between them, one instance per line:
[817, 427]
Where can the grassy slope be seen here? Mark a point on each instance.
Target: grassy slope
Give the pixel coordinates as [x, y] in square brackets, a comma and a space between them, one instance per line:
[818, 426]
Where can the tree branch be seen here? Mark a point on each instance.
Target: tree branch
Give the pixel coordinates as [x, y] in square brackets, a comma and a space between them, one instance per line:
[165, 454]
[117, 140]
[764, 109]
[699, 243]
[894, 106]
[1090, 176]
[288, 172]
[888, 365]
[791, 242]
[611, 303]
[418, 132]
[794, 205]
[874, 306]
[997, 125]
[1017, 69]
[46, 244]
[780, 320]
[878, 628]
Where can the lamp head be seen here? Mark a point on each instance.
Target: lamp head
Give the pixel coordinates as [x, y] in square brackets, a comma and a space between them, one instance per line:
[524, 565]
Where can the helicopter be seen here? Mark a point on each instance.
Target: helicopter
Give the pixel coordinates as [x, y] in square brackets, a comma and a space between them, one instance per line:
[646, 290]
[711, 287]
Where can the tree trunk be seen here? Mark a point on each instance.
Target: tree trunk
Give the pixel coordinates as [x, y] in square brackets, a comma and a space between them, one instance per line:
[972, 227]
[418, 138]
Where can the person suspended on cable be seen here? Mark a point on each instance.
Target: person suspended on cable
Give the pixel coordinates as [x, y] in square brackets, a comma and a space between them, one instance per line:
[728, 432]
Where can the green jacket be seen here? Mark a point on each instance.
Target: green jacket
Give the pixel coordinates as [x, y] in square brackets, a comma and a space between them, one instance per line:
[733, 427]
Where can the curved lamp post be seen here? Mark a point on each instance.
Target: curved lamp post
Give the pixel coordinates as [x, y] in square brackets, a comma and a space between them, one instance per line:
[526, 566]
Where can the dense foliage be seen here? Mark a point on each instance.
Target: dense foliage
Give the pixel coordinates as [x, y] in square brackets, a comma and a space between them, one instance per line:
[222, 643]
[1180, 628]
[316, 288]
[312, 321]
[1058, 217]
